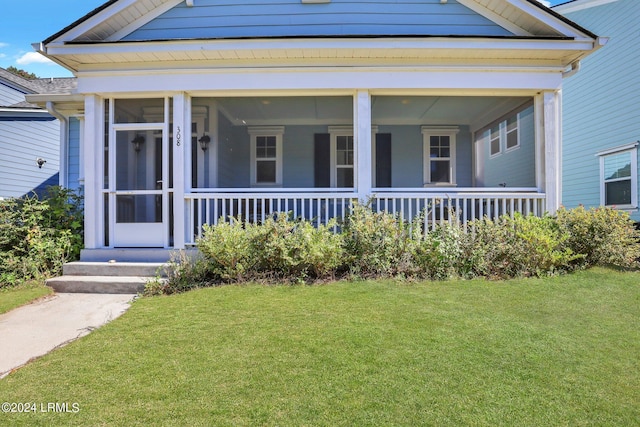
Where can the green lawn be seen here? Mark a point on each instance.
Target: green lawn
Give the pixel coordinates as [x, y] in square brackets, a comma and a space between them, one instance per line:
[11, 298]
[561, 351]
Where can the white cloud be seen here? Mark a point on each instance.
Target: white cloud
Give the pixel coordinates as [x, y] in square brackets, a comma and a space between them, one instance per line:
[545, 2]
[33, 58]
[4, 44]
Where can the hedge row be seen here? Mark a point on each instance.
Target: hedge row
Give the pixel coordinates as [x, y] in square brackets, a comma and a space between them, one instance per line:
[377, 244]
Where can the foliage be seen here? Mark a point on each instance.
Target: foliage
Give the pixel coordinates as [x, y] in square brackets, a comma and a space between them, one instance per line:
[379, 244]
[279, 248]
[21, 73]
[375, 242]
[519, 246]
[605, 236]
[37, 236]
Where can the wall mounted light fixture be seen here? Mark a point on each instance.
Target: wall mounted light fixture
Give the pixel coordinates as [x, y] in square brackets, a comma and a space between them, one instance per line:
[137, 142]
[204, 142]
[40, 162]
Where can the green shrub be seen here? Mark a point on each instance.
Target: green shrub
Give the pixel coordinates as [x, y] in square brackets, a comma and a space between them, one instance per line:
[519, 246]
[37, 236]
[297, 249]
[604, 236]
[375, 243]
[440, 253]
[228, 248]
[185, 271]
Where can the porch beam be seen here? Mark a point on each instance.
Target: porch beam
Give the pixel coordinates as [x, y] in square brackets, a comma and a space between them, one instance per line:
[362, 145]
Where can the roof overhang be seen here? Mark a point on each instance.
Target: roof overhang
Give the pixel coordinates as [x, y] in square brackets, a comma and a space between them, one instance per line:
[550, 51]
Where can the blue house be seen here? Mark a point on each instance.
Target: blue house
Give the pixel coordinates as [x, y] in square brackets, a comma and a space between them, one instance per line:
[601, 119]
[29, 136]
[194, 111]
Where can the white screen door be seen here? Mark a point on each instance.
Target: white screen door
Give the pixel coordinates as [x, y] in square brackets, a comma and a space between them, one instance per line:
[138, 191]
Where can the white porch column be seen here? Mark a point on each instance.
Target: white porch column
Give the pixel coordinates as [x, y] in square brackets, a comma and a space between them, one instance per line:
[93, 157]
[181, 170]
[548, 112]
[362, 144]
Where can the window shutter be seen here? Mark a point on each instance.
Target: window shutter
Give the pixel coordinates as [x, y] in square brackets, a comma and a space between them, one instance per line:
[383, 160]
[322, 160]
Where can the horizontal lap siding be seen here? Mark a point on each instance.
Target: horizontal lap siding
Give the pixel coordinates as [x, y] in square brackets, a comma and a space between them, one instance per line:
[600, 103]
[515, 168]
[9, 96]
[281, 18]
[21, 143]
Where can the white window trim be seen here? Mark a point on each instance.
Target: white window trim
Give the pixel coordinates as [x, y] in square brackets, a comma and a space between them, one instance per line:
[274, 131]
[335, 132]
[628, 148]
[517, 130]
[427, 133]
[502, 137]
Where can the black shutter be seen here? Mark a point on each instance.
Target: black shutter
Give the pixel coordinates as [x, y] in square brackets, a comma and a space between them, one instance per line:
[383, 160]
[322, 160]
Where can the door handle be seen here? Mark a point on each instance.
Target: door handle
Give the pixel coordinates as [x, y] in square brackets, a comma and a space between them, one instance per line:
[159, 184]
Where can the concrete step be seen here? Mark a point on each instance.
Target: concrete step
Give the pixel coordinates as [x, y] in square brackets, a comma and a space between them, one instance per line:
[99, 284]
[115, 269]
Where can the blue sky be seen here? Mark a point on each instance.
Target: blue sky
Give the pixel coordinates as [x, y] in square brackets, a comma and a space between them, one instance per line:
[23, 22]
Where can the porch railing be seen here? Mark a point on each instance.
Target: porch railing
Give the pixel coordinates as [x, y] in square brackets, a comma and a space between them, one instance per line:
[438, 205]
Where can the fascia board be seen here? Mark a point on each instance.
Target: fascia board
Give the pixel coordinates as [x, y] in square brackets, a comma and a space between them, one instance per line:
[331, 44]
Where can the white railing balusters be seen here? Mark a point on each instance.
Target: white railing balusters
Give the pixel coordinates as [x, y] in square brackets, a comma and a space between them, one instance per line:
[321, 206]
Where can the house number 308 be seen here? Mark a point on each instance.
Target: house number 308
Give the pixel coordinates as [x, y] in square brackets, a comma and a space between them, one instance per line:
[178, 137]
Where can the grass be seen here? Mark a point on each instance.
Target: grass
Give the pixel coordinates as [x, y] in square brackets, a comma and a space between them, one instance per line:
[14, 297]
[558, 351]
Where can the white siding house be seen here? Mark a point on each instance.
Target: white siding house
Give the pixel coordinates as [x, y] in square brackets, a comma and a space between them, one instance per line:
[601, 114]
[194, 111]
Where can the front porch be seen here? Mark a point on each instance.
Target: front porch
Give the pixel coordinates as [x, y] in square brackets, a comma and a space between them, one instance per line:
[448, 158]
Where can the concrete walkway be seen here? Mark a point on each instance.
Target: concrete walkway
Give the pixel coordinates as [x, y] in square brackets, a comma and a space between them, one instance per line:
[35, 329]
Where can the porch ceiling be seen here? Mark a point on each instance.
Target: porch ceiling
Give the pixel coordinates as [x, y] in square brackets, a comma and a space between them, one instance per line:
[386, 110]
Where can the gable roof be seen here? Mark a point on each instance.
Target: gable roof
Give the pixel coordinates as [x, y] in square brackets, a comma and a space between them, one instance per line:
[116, 19]
[163, 31]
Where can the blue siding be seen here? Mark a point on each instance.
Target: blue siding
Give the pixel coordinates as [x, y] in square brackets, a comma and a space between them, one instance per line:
[297, 162]
[281, 18]
[73, 172]
[21, 143]
[298, 152]
[600, 103]
[515, 168]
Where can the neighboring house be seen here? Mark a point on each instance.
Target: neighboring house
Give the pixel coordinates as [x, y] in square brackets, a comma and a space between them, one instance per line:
[601, 129]
[198, 110]
[29, 136]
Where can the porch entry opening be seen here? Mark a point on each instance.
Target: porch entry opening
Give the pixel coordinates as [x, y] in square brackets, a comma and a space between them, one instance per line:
[138, 171]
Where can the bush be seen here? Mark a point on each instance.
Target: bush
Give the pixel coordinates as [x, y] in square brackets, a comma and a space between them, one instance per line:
[378, 244]
[519, 246]
[38, 236]
[440, 253]
[375, 243]
[280, 248]
[228, 247]
[604, 236]
[297, 249]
